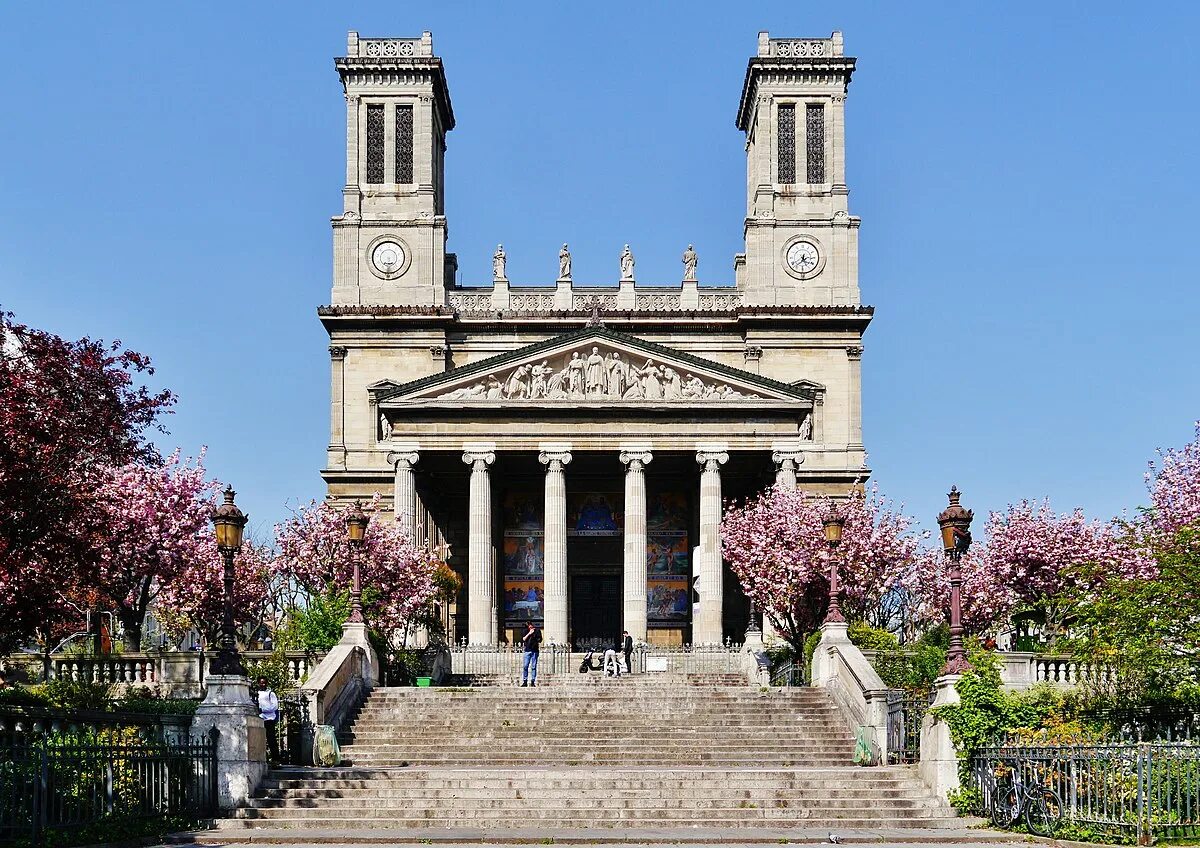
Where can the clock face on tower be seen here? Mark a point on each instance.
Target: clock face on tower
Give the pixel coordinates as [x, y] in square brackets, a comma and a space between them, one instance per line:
[388, 257]
[802, 257]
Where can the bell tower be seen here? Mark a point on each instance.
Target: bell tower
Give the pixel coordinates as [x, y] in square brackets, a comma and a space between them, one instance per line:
[801, 241]
[389, 243]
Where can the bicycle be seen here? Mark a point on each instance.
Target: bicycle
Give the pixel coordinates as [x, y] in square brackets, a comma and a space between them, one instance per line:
[1041, 806]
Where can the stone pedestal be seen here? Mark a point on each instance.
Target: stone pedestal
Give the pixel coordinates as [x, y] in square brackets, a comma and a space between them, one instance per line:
[938, 767]
[180, 675]
[833, 633]
[241, 738]
[354, 635]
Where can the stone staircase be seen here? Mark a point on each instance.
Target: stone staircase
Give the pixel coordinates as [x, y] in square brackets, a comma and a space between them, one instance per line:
[581, 751]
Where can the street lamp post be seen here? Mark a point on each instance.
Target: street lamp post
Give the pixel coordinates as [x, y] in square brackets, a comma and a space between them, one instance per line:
[833, 524]
[955, 524]
[228, 522]
[356, 531]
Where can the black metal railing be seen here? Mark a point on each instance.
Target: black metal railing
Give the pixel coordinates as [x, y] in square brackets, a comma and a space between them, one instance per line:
[68, 787]
[906, 711]
[1119, 791]
[790, 674]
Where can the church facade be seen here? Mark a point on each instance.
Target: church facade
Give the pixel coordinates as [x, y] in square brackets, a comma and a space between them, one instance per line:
[568, 448]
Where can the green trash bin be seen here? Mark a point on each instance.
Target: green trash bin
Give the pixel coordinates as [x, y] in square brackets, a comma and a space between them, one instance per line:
[424, 681]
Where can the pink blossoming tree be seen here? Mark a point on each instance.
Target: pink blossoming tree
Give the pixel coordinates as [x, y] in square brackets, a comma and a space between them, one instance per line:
[397, 573]
[156, 528]
[195, 598]
[1048, 559]
[1174, 483]
[987, 601]
[776, 546]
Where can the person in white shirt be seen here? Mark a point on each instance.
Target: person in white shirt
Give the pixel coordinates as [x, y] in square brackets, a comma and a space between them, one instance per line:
[268, 710]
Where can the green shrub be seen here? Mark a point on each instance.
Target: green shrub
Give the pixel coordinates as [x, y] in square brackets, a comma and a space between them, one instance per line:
[275, 669]
[66, 694]
[869, 638]
[317, 627]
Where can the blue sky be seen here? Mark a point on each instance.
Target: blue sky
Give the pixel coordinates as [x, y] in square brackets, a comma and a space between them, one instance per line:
[1025, 172]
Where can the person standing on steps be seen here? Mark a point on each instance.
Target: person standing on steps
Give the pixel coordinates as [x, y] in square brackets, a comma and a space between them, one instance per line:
[627, 650]
[268, 711]
[531, 642]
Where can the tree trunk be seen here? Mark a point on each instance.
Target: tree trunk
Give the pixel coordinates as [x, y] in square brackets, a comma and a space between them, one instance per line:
[131, 623]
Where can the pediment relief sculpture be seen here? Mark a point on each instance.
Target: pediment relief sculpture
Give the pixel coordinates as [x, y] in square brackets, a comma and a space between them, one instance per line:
[590, 374]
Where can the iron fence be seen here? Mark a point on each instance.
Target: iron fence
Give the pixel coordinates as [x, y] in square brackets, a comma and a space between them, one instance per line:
[906, 711]
[1141, 791]
[60, 786]
[791, 674]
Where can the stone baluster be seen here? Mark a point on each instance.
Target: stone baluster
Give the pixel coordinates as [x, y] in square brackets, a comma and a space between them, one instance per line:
[405, 491]
[555, 587]
[708, 628]
[481, 573]
[634, 612]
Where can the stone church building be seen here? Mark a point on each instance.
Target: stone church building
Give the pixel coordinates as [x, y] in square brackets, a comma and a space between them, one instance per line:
[569, 447]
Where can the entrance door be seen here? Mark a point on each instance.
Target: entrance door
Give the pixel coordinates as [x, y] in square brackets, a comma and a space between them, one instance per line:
[595, 610]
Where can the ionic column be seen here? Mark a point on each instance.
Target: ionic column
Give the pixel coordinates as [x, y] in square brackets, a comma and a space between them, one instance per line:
[405, 492]
[786, 462]
[481, 575]
[708, 628]
[634, 614]
[555, 587]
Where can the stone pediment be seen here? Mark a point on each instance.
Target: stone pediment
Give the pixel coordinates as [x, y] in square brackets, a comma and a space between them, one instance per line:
[596, 366]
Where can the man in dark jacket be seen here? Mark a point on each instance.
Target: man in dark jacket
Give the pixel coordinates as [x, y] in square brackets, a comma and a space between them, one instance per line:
[627, 650]
[531, 642]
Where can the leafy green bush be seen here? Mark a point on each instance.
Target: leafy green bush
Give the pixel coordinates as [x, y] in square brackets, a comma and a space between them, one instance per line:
[275, 669]
[869, 638]
[317, 627]
[66, 694]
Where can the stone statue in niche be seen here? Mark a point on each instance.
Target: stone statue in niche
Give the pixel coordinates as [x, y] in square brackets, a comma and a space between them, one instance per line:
[689, 264]
[597, 375]
[499, 258]
[385, 428]
[564, 263]
[806, 428]
[626, 263]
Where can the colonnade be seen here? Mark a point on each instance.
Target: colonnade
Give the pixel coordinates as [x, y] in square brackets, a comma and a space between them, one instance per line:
[482, 615]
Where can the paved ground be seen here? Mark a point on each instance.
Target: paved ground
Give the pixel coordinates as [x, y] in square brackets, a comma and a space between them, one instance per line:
[451, 837]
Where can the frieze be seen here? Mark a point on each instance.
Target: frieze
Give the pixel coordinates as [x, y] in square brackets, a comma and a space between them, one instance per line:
[584, 374]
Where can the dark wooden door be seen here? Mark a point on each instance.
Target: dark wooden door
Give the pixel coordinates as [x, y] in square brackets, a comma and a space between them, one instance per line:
[595, 610]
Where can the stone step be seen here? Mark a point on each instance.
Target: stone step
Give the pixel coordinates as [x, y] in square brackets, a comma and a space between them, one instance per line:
[653, 791]
[597, 812]
[729, 819]
[375, 805]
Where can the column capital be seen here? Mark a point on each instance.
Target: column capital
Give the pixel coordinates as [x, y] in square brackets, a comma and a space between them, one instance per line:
[712, 460]
[781, 456]
[479, 460]
[337, 352]
[409, 455]
[554, 460]
[636, 458]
